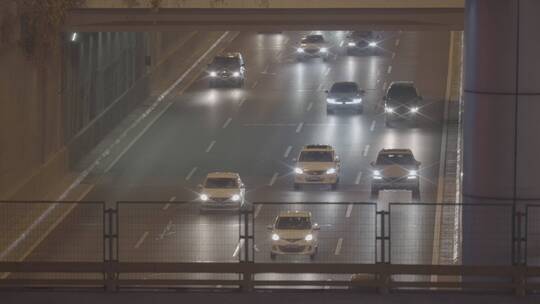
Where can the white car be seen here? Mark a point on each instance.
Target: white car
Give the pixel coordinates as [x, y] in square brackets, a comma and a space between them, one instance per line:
[293, 233]
[222, 191]
[312, 46]
[317, 164]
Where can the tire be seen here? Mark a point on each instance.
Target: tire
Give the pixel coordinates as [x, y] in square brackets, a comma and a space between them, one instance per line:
[416, 192]
[312, 256]
[374, 191]
[335, 186]
[387, 123]
[325, 59]
[211, 84]
[296, 186]
[329, 111]
[360, 110]
[272, 256]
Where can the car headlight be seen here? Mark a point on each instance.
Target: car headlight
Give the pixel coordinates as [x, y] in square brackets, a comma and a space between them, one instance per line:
[236, 74]
[357, 100]
[298, 170]
[388, 110]
[377, 174]
[309, 237]
[324, 50]
[414, 109]
[331, 171]
[275, 237]
[372, 44]
[235, 197]
[299, 50]
[204, 197]
[330, 100]
[412, 174]
[213, 74]
[351, 44]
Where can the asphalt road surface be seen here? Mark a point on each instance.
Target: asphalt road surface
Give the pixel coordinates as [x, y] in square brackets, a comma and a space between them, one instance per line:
[257, 131]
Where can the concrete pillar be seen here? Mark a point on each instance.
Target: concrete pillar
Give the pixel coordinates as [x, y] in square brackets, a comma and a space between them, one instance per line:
[501, 123]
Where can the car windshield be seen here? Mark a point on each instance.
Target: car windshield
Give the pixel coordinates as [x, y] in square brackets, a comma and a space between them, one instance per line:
[395, 159]
[293, 222]
[344, 87]
[402, 92]
[313, 39]
[222, 182]
[226, 62]
[362, 34]
[316, 156]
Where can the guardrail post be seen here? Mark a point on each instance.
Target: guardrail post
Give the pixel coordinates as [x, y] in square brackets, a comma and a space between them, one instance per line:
[519, 281]
[383, 279]
[247, 236]
[110, 248]
[383, 238]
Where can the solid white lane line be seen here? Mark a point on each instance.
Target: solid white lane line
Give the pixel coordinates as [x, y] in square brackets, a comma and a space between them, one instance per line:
[210, 146]
[254, 84]
[241, 102]
[372, 128]
[238, 247]
[141, 240]
[366, 150]
[349, 210]
[273, 180]
[310, 105]
[389, 69]
[257, 210]
[358, 178]
[299, 128]
[190, 174]
[226, 124]
[397, 42]
[338, 246]
[289, 148]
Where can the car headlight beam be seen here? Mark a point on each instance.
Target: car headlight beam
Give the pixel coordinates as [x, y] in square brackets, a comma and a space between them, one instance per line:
[213, 74]
[372, 44]
[275, 237]
[235, 197]
[298, 170]
[389, 110]
[351, 44]
[414, 110]
[309, 237]
[204, 197]
[236, 74]
[324, 50]
[331, 100]
[331, 171]
[299, 50]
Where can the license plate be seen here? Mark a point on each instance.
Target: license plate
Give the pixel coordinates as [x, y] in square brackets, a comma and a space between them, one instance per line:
[314, 179]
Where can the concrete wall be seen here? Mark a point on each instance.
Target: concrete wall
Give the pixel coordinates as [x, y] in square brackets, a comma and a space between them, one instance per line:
[53, 113]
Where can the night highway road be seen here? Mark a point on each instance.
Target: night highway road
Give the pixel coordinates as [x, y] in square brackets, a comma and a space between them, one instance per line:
[258, 131]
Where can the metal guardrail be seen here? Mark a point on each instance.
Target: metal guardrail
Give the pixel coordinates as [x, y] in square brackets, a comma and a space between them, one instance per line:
[112, 265]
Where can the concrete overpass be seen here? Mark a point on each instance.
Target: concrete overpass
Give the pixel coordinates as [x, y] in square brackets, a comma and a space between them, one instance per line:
[102, 15]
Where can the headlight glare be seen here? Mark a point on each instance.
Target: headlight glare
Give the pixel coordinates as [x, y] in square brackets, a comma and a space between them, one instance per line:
[324, 50]
[389, 110]
[372, 44]
[213, 74]
[330, 100]
[235, 197]
[414, 109]
[357, 100]
[298, 170]
[204, 197]
[275, 237]
[331, 171]
[309, 237]
[299, 50]
[351, 44]
[236, 74]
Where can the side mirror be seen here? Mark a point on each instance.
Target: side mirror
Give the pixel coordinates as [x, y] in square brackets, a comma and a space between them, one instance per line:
[337, 159]
[420, 98]
[326, 91]
[270, 227]
[294, 159]
[372, 164]
[316, 227]
[362, 92]
[418, 163]
[384, 98]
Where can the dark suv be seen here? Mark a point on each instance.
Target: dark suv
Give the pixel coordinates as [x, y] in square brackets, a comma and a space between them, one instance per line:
[344, 95]
[401, 102]
[362, 42]
[227, 69]
[395, 169]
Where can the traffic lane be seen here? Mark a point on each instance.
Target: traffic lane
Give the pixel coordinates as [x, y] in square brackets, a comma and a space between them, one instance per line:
[178, 232]
[346, 235]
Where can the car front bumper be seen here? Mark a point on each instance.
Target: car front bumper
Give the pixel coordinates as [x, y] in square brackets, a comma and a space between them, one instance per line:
[315, 179]
[283, 248]
[402, 183]
[221, 205]
[344, 106]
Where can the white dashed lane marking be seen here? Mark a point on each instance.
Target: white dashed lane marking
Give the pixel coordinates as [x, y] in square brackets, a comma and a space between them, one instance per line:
[226, 124]
[299, 128]
[141, 240]
[190, 174]
[310, 105]
[210, 146]
[366, 150]
[349, 210]
[372, 128]
[338, 246]
[273, 180]
[287, 152]
[358, 178]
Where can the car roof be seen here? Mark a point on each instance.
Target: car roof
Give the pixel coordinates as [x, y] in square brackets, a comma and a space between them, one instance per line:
[314, 35]
[295, 213]
[345, 82]
[318, 147]
[222, 175]
[396, 151]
